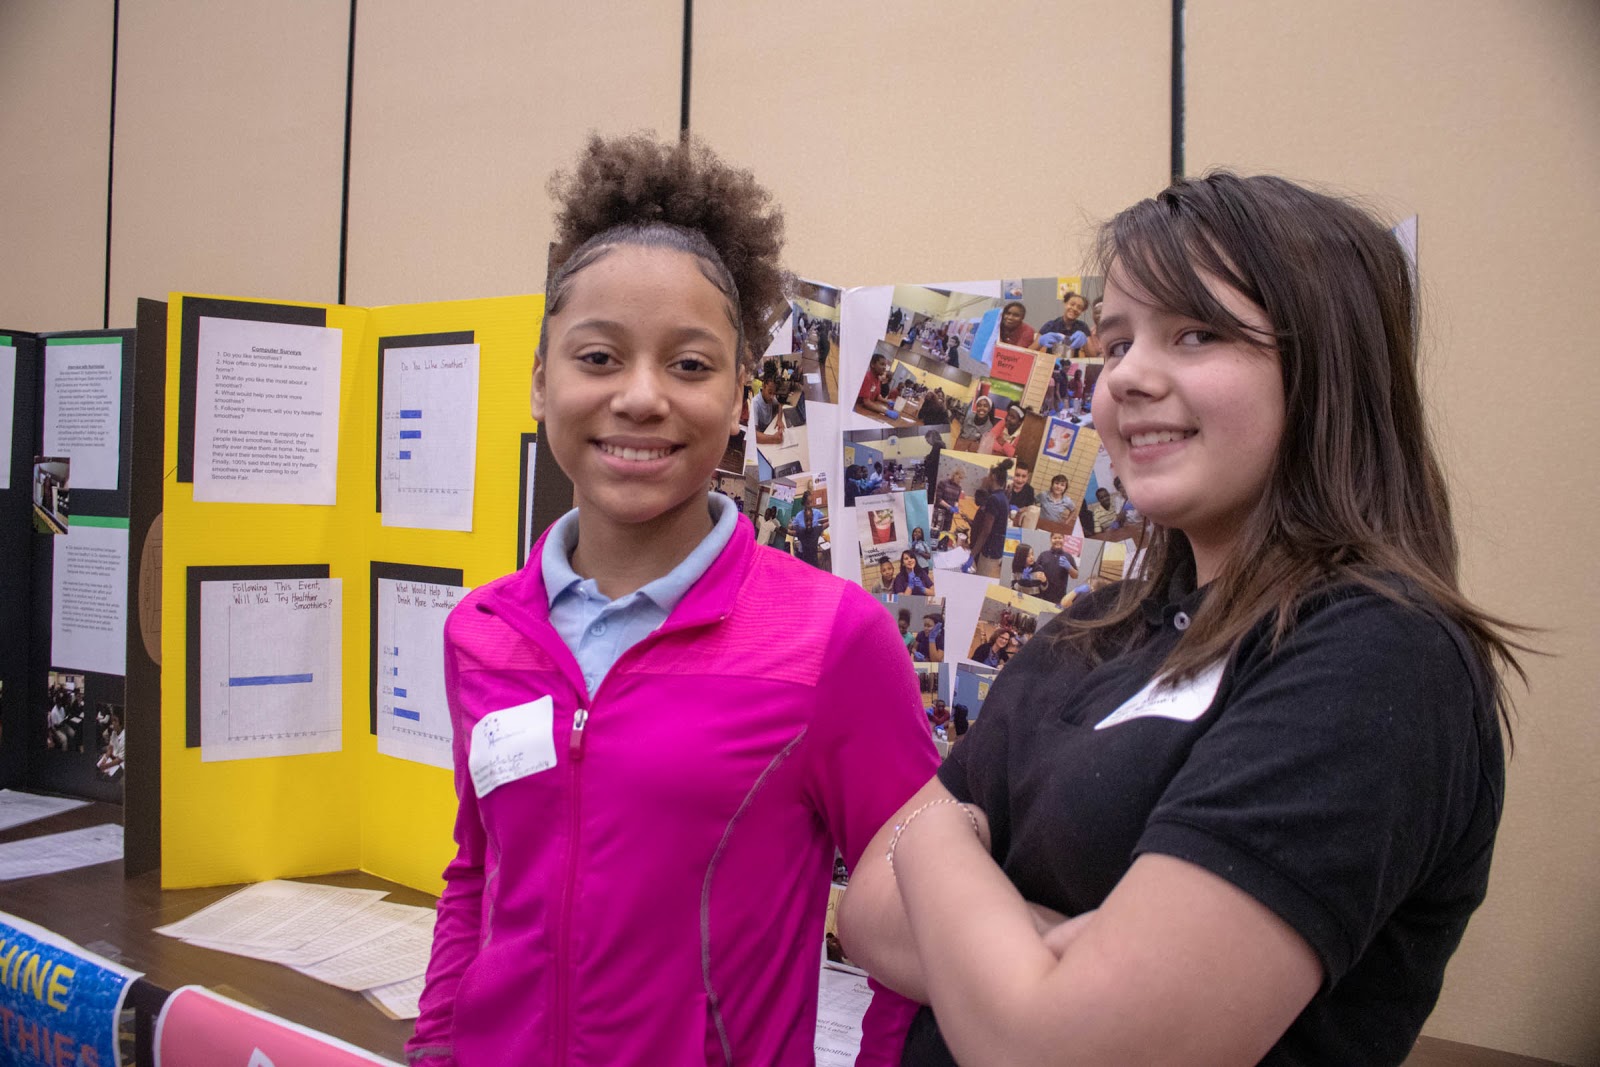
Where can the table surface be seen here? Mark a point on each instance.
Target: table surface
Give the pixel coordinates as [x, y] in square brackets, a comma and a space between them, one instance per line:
[98, 908]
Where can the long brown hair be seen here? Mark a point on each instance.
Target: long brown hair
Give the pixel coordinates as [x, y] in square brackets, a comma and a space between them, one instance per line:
[1356, 494]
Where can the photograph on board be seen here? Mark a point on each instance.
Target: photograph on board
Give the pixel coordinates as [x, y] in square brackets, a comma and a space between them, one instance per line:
[814, 320]
[51, 493]
[65, 712]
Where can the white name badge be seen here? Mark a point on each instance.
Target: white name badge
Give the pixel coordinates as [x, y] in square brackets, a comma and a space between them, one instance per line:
[512, 743]
[1184, 702]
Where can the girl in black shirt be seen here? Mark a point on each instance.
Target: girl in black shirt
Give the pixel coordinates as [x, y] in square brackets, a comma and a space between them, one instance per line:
[1239, 810]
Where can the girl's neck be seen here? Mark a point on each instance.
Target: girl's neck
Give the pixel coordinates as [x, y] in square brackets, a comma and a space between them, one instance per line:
[624, 557]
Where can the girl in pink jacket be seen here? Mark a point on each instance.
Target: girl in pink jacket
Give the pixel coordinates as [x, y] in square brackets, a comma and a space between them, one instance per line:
[663, 731]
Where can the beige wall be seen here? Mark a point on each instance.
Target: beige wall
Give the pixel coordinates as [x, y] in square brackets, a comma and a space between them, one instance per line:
[919, 143]
[915, 143]
[55, 123]
[230, 147]
[462, 111]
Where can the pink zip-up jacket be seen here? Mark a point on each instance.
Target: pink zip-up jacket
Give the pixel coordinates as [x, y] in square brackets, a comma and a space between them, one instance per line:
[658, 895]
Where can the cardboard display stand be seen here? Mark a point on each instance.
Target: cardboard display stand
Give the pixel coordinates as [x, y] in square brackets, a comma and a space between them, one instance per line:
[252, 819]
[56, 703]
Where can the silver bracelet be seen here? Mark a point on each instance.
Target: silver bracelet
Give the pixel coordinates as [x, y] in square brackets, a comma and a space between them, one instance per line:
[900, 828]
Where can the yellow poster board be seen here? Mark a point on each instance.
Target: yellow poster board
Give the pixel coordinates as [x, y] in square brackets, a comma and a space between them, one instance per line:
[252, 819]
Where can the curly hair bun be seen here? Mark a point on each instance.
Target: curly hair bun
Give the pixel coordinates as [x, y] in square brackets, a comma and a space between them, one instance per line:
[638, 190]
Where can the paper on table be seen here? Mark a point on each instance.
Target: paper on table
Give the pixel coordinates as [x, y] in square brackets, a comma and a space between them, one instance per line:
[399, 953]
[399, 1000]
[89, 599]
[266, 413]
[17, 809]
[8, 399]
[429, 446]
[359, 928]
[270, 667]
[60, 852]
[275, 915]
[842, 1000]
[83, 407]
[413, 718]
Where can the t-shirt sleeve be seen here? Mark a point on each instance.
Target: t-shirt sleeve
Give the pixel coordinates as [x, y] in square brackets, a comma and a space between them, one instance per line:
[870, 387]
[1337, 773]
[869, 747]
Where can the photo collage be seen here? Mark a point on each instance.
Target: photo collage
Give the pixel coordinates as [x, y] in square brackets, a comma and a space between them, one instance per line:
[936, 445]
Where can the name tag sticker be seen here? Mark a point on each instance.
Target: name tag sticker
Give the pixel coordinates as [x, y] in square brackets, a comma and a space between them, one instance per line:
[512, 743]
[1184, 702]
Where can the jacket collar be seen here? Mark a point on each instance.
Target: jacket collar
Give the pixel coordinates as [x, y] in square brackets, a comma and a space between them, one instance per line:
[522, 601]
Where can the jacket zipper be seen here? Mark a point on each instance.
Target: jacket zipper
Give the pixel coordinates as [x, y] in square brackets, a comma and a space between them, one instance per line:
[580, 723]
[580, 719]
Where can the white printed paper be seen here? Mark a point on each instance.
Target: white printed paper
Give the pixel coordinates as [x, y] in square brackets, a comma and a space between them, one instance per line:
[89, 599]
[413, 717]
[270, 669]
[842, 1000]
[512, 743]
[8, 401]
[276, 915]
[430, 436]
[67, 851]
[398, 953]
[83, 408]
[266, 413]
[400, 1000]
[18, 809]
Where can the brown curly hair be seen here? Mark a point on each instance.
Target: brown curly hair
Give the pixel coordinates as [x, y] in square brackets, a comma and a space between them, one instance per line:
[638, 191]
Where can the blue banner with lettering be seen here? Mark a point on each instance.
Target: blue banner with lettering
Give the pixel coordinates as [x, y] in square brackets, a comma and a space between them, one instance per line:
[58, 1003]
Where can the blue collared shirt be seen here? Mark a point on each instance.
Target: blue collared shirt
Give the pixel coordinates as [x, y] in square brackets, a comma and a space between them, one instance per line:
[598, 629]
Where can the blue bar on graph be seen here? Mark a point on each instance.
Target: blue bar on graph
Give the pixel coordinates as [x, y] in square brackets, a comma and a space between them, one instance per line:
[399, 692]
[410, 435]
[405, 455]
[402, 713]
[270, 679]
[411, 413]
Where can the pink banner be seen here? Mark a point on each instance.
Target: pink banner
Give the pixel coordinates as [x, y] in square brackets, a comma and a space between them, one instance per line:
[198, 1028]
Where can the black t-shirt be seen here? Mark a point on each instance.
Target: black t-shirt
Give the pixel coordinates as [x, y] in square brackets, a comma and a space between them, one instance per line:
[1061, 325]
[994, 505]
[1058, 568]
[1351, 781]
[1020, 498]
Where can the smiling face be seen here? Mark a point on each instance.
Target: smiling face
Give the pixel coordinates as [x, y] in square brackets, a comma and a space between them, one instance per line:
[1073, 307]
[1193, 422]
[1013, 418]
[637, 391]
[908, 561]
[982, 407]
[1011, 316]
[886, 571]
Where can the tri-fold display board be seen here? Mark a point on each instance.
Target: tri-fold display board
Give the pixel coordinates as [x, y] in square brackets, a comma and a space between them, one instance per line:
[336, 478]
[65, 423]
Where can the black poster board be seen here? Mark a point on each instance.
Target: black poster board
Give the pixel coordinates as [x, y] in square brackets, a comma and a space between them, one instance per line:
[62, 758]
[141, 835]
[16, 561]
